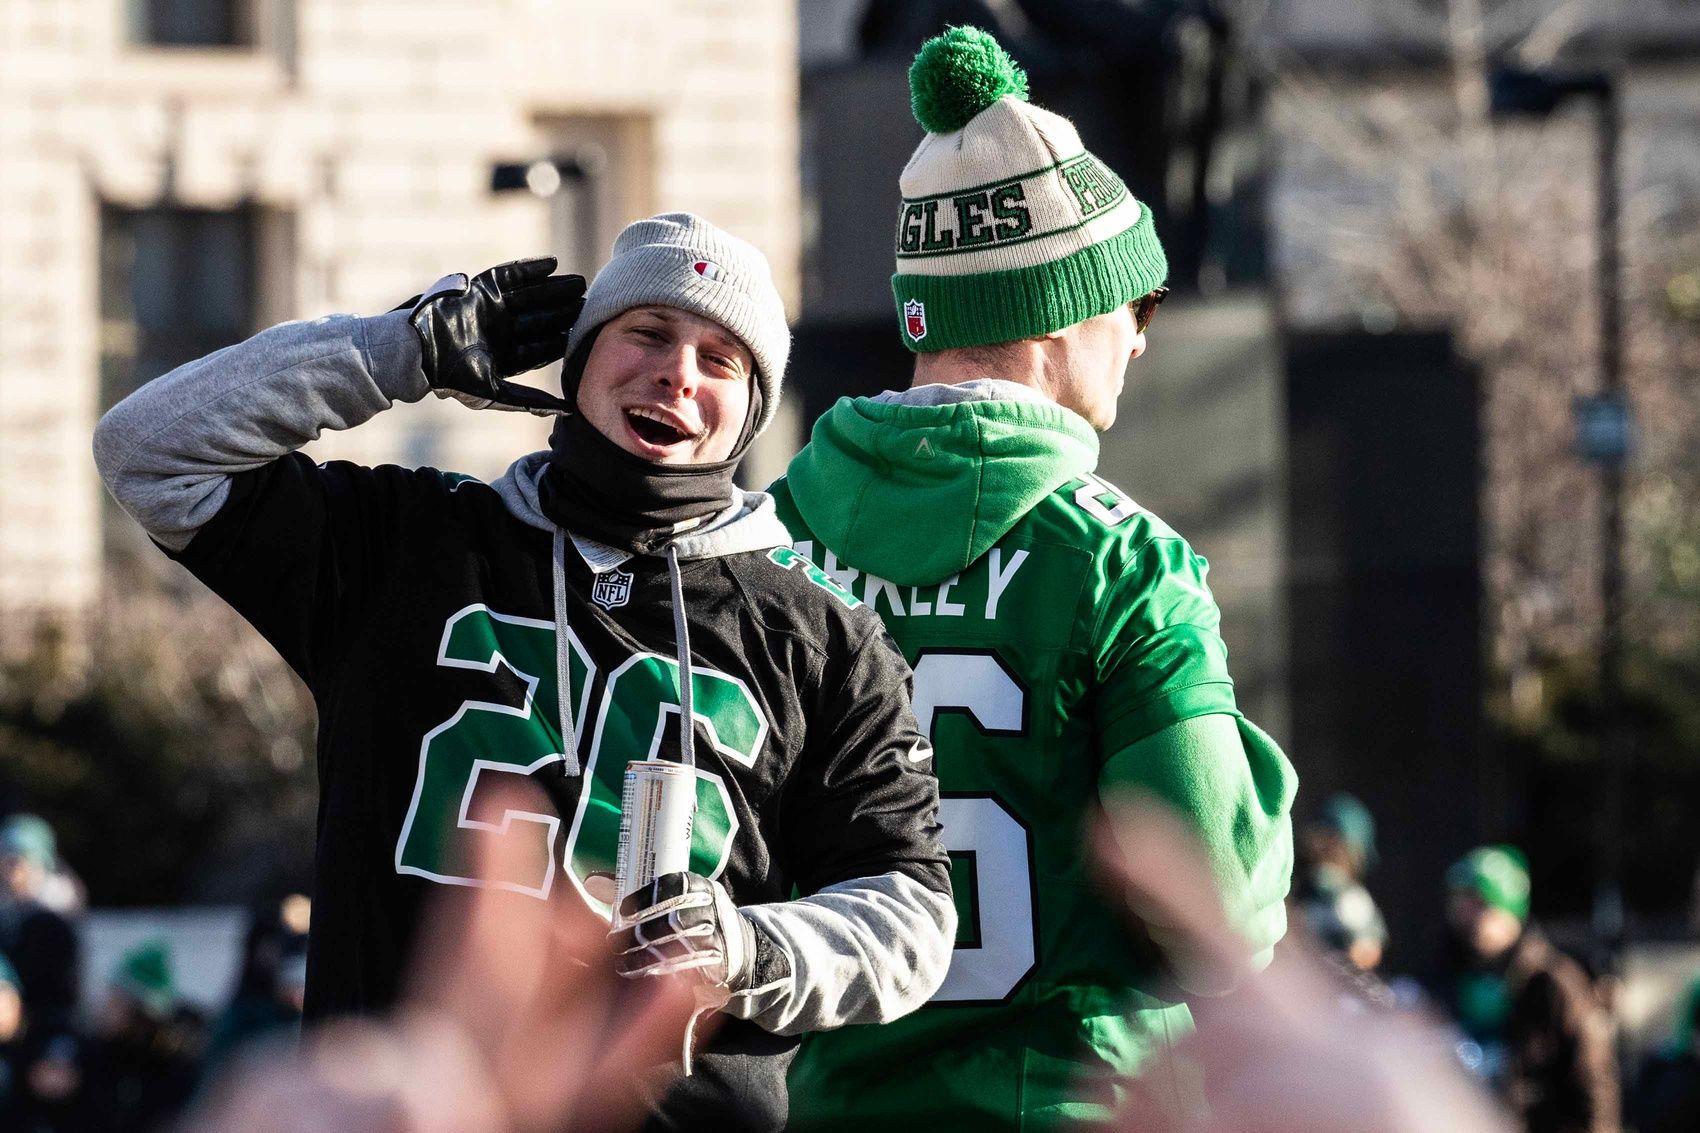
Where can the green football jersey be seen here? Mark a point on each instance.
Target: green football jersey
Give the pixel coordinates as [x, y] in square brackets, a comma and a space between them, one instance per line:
[1053, 624]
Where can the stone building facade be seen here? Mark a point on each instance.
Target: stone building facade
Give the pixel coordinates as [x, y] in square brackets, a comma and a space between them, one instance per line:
[176, 174]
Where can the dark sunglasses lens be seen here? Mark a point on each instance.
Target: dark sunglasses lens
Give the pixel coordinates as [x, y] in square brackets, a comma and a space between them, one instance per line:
[1145, 308]
[1143, 312]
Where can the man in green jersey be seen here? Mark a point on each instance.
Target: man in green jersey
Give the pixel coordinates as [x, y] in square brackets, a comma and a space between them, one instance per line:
[1064, 642]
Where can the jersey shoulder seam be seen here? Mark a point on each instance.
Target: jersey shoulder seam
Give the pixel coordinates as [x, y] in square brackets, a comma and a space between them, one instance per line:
[758, 607]
[1134, 552]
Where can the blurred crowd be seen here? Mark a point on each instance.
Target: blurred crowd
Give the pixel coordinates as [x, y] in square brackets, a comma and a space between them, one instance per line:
[137, 1061]
[1499, 1005]
[1533, 1023]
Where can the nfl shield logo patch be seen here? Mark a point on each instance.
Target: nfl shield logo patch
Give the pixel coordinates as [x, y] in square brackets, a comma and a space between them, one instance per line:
[915, 319]
[613, 588]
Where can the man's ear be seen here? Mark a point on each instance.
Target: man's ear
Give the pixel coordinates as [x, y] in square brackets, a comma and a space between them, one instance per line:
[1138, 344]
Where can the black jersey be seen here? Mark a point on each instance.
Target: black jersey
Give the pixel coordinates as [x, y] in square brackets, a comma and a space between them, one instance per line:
[419, 607]
[419, 610]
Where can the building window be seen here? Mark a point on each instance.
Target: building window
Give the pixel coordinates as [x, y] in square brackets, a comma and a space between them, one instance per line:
[574, 233]
[175, 283]
[178, 283]
[194, 23]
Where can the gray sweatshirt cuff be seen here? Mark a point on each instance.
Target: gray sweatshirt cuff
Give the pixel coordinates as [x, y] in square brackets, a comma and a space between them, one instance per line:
[393, 356]
[864, 951]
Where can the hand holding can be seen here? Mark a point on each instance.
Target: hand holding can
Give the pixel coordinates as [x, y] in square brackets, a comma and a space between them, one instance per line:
[658, 802]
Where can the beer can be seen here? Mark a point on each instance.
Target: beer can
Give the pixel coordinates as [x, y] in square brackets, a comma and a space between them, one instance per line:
[658, 805]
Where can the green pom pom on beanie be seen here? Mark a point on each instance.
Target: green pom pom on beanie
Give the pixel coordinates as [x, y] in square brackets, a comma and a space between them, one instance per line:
[958, 74]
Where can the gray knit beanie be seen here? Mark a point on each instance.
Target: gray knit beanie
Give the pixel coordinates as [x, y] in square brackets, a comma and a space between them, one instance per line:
[680, 260]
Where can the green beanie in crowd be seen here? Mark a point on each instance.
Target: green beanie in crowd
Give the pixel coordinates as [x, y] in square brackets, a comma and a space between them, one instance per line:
[144, 974]
[29, 837]
[1498, 875]
[1344, 814]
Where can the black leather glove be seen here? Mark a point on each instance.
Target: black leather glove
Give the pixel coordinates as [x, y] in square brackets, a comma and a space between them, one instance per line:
[684, 922]
[475, 333]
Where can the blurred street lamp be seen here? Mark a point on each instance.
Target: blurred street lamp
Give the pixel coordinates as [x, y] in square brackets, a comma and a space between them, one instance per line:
[568, 184]
[1604, 438]
[542, 178]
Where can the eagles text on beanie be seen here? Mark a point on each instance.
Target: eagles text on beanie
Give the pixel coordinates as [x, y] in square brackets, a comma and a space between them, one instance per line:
[1009, 228]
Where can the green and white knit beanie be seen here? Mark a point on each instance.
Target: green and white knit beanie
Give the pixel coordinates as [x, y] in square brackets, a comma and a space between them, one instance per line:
[680, 260]
[1009, 227]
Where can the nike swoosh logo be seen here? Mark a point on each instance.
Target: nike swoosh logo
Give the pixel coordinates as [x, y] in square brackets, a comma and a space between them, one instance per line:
[921, 750]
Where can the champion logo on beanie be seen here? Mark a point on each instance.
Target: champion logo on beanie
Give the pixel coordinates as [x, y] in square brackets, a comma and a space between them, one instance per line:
[1009, 227]
[706, 269]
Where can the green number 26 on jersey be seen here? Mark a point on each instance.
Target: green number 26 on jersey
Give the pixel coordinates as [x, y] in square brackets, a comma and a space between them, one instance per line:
[630, 718]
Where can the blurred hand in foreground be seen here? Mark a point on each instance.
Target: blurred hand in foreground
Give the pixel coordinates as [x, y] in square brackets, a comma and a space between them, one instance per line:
[516, 1024]
[1277, 1055]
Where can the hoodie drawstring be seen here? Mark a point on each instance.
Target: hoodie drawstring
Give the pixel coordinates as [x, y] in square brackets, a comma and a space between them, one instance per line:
[687, 756]
[682, 645]
[563, 659]
[563, 655]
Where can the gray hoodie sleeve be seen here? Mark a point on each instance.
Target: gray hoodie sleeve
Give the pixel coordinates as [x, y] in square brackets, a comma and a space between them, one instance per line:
[167, 451]
[872, 939]
[864, 951]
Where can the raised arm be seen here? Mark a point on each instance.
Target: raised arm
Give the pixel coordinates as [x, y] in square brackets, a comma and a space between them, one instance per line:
[167, 452]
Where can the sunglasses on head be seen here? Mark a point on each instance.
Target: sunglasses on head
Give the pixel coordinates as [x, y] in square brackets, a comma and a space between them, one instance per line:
[1145, 307]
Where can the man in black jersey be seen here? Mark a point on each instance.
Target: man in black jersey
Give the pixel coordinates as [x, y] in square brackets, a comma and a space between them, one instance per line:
[546, 625]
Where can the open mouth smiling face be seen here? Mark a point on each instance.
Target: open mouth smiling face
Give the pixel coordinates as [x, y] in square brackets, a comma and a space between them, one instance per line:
[667, 385]
[659, 430]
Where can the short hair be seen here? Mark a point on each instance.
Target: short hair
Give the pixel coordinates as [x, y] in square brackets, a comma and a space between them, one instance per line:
[995, 357]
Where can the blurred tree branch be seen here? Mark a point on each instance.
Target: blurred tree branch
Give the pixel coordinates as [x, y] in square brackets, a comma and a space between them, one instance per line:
[163, 737]
[1398, 200]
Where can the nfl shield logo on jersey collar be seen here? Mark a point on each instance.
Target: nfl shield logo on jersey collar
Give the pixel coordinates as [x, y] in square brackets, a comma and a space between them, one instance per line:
[612, 589]
[915, 319]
